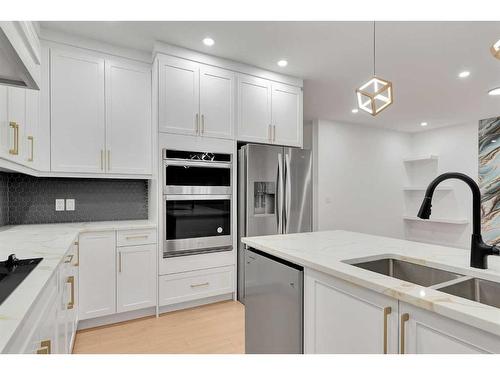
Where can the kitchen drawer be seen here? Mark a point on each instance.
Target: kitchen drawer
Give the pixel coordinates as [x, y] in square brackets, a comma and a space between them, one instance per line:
[187, 286]
[135, 237]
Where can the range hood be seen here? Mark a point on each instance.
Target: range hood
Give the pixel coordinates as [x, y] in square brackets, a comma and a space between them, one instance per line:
[19, 55]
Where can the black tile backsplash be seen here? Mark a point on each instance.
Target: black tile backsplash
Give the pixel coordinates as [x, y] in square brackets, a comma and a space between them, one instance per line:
[31, 200]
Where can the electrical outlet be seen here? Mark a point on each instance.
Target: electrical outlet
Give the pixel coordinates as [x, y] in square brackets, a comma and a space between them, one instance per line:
[59, 204]
[70, 204]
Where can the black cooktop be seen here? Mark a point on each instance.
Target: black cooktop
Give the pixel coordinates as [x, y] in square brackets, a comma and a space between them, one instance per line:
[12, 272]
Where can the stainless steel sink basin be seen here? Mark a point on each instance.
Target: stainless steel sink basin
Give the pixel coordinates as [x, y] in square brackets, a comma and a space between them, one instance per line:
[479, 290]
[413, 273]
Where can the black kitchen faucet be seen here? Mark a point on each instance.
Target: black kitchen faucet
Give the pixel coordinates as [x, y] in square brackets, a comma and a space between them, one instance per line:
[479, 251]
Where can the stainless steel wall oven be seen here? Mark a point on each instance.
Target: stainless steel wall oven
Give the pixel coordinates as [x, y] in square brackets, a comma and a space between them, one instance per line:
[197, 202]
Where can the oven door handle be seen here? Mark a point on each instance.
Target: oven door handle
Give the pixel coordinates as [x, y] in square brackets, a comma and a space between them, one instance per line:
[196, 163]
[196, 197]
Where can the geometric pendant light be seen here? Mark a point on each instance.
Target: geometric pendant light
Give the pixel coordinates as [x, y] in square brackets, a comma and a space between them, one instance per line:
[495, 49]
[376, 94]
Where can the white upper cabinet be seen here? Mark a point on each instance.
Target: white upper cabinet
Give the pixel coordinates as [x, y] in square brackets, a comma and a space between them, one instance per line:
[29, 148]
[128, 117]
[217, 96]
[287, 115]
[179, 95]
[77, 112]
[254, 109]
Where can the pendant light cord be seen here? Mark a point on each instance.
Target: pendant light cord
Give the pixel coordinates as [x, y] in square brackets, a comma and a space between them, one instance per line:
[374, 47]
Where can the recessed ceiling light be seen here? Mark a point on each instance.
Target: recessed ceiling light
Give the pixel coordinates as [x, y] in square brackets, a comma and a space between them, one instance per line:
[493, 141]
[282, 63]
[355, 110]
[208, 42]
[423, 124]
[494, 92]
[464, 74]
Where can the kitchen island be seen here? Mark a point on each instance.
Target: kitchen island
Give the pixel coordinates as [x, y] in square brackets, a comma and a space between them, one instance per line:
[349, 309]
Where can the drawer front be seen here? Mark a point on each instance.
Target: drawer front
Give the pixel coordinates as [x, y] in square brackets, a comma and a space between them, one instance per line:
[187, 286]
[135, 237]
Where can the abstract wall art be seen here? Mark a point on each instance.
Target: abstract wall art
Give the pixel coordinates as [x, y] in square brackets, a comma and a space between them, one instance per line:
[489, 178]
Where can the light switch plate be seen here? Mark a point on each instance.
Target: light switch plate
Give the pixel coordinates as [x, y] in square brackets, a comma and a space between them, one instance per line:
[70, 204]
[59, 204]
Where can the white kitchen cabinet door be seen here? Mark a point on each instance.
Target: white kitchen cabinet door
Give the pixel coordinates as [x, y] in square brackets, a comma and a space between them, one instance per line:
[341, 318]
[47, 331]
[77, 112]
[287, 115]
[254, 109]
[136, 277]
[16, 115]
[217, 94]
[30, 149]
[71, 301]
[179, 96]
[425, 332]
[128, 118]
[5, 139]
[97, 275]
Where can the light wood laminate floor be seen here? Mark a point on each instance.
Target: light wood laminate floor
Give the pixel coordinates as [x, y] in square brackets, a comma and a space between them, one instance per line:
[216, 328]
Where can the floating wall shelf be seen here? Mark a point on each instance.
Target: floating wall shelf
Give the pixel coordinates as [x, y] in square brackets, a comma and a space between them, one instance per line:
[438, 220]
[421, 158]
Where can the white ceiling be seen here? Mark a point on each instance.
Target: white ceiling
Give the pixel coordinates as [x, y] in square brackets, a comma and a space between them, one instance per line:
[422, 59]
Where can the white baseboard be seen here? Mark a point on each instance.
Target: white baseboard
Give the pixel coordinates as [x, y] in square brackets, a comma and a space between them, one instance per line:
[195, 303]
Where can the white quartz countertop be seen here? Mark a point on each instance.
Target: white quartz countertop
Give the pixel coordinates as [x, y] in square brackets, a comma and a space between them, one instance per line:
[51, 242]
[326, 252]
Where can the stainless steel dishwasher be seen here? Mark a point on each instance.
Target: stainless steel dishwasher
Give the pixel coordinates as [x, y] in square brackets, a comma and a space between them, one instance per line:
[273, 304]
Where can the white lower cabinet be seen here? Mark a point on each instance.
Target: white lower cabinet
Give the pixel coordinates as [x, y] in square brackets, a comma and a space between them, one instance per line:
[97, 274]
[136, 277]
[192, 285]
[425, 332]
[340, 317]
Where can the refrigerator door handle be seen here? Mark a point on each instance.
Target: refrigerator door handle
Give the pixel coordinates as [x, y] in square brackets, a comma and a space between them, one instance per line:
[288, 193]
[279, 195]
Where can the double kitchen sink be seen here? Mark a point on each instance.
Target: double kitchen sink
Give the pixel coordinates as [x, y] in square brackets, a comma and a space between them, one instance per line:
[472, 288]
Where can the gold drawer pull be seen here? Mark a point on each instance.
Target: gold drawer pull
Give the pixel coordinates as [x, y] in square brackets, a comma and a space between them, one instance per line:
[71, 281]
[15, 149]
[32, 155]
[198, 285]
[69, 258]
[44, 347]
[77, 254]
[387, 312]
[102, 160]
[136, 237]
[404, 318]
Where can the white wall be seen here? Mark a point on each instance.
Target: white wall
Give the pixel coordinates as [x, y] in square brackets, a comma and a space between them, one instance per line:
[457, 148]
[359, 177]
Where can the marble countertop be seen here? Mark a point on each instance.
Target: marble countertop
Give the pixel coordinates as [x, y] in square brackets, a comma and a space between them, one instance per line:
[51, 242]
[327, 252]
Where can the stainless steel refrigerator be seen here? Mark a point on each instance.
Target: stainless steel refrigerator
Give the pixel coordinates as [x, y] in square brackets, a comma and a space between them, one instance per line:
[274, 195]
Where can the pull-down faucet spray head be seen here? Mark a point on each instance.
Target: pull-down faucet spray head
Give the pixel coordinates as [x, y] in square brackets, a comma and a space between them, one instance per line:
[425, 208]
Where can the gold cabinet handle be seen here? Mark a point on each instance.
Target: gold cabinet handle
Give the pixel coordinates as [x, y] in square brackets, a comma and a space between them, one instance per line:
[71, 281]
[198, 285]
[120, 261]
[387, 312]
[15, 150]
[270, 132]
[102, 160]
[109, 160]
[77, 254]
[404, 318]
[202, 124]
[32, 155]
[69, 258]
[45, 347]
[136, 237]
[197, 125]
[274, 133]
